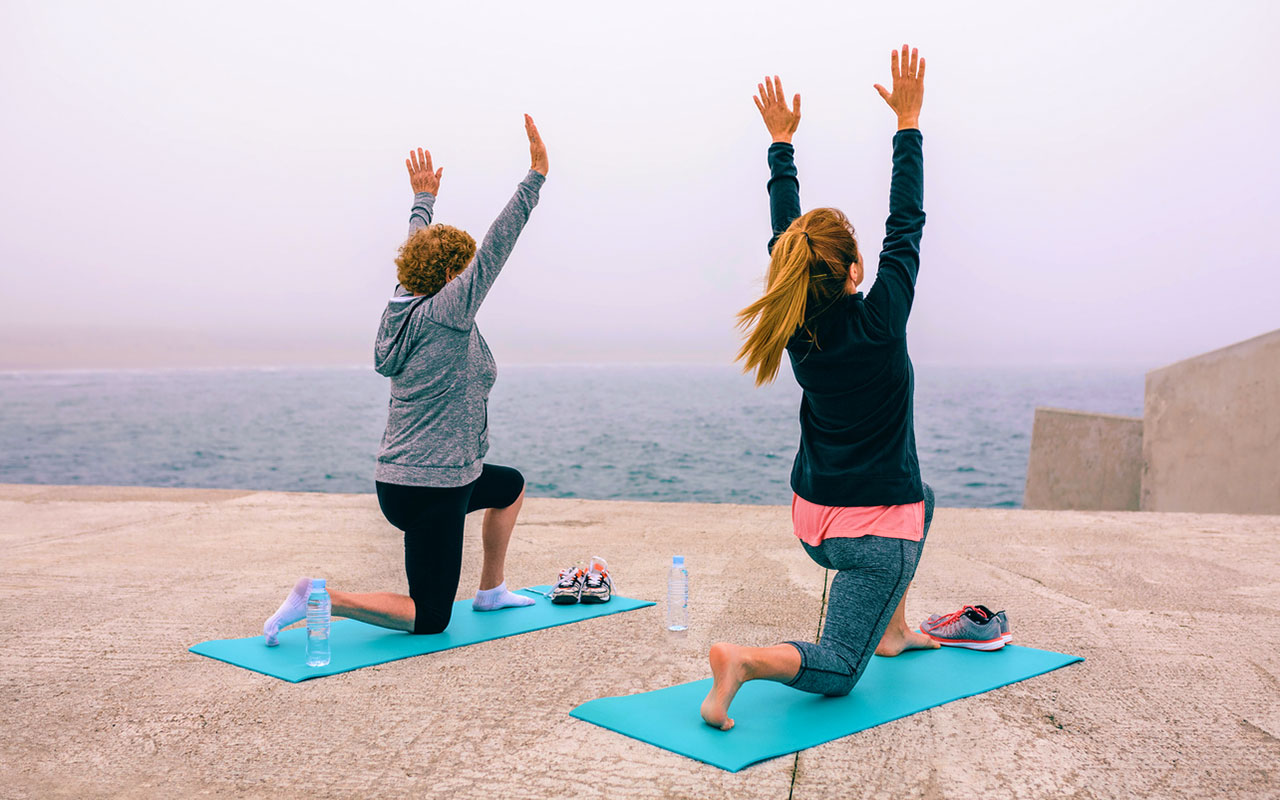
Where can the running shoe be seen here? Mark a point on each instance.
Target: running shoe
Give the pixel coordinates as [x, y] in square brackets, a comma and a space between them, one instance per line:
[968, 628]
[597, 586]
[1006, 632]
[568, 590]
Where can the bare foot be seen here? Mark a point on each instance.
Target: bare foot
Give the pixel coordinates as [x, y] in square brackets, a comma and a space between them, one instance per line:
[728, 671]
[896, 640]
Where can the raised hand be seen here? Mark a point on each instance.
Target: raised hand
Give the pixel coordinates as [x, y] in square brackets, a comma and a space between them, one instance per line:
[780, 120]
[908, 87]
[537, 150]
[420, 175]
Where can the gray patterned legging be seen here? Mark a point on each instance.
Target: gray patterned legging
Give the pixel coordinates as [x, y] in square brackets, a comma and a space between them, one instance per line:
[874, 573]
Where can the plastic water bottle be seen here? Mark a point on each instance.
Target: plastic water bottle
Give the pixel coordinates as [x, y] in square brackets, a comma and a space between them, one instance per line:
[677, 595]
[318, 610]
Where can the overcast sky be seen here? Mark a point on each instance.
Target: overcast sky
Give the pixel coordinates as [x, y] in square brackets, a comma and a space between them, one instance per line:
[225, 183]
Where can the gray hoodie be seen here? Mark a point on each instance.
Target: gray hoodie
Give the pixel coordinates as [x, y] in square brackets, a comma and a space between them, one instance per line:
[440, 368]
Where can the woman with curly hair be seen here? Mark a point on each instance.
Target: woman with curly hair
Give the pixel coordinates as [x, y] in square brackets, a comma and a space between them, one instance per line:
[859, 506]
[430, 472]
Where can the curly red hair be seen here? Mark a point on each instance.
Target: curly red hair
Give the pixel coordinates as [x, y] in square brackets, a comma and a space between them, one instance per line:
[432, 257]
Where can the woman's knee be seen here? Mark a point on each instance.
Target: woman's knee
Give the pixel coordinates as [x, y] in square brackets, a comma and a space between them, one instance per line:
[428, 619]
[841, 685]
[519, 501]
[498, 488]
[829, 667]
[856, 666]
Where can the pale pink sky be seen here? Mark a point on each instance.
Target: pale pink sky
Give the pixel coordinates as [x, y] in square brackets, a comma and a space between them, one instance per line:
[224, 184]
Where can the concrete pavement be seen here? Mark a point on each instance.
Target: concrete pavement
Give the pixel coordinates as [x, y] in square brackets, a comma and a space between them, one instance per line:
[104, 588]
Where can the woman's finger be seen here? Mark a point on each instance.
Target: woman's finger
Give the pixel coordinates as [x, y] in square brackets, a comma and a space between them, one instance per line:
[920, 74]
[915, 62]
[439, 172]
[795, 107]
[409, 167]
[777, 91]
[427, 163]
[768, 87]
[883, 93]
[759, 105]
[893, 65]
[905, 62]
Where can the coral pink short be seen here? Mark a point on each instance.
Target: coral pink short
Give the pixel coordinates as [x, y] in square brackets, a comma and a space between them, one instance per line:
[813, 522]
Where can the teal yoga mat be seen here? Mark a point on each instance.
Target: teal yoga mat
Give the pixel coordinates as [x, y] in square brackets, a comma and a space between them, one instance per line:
[355, 644]
[772, 720]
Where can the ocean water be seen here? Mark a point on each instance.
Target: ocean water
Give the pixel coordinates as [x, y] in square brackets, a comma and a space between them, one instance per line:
[659, 433]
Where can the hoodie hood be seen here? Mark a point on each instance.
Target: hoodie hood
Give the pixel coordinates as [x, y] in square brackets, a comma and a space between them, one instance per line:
[395, 342]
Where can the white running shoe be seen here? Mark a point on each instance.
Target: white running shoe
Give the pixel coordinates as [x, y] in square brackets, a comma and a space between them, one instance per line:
[568, 590]
[597, 586]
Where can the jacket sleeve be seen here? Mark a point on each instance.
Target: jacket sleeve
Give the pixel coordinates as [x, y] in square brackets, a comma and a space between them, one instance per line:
[889, 302]
[784, 189]
[457, 303]
[419, 217]
[420, 214]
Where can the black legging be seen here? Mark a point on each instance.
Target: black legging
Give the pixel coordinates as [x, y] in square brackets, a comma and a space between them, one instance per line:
[432, 519]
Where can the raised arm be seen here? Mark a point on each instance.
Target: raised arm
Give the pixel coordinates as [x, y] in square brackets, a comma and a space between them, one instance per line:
[783, 186]
[889, 301]
[426, 185]
[457, 303]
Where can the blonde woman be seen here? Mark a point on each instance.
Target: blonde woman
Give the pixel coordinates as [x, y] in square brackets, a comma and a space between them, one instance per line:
[859, 505]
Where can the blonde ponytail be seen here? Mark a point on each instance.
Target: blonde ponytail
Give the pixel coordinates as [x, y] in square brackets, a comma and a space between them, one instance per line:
[771, 321]
[809, 264]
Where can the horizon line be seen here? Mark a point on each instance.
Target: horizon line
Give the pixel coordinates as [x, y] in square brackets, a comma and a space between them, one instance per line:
[1135, 366]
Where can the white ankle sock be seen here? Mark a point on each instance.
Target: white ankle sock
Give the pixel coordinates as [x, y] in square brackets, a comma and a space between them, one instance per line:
[293, 609]
[498, 597]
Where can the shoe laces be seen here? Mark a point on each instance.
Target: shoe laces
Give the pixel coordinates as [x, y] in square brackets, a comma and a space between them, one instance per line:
[597, 579]
[569, 577]
[948, 619]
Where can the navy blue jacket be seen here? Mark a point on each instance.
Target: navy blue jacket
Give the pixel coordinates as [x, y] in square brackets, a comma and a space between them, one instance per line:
[857, 436]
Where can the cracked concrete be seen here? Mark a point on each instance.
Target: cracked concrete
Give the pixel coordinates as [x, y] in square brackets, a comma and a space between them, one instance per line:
[105, 587]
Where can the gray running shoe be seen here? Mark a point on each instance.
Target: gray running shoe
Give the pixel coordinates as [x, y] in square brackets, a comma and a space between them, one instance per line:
[597, 586]
[968, 628]
[568, 590]
[999, 616]
[1006, 632]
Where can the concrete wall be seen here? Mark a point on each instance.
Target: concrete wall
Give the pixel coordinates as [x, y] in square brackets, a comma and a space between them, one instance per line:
[1084, 461]
[1211, 441]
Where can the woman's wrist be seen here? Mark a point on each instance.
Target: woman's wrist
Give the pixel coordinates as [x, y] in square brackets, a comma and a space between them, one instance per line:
[782, 138]
[908, 121]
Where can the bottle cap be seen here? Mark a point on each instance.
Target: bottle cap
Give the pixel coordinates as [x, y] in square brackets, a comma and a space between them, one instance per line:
[677, 561]
[317, 583]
